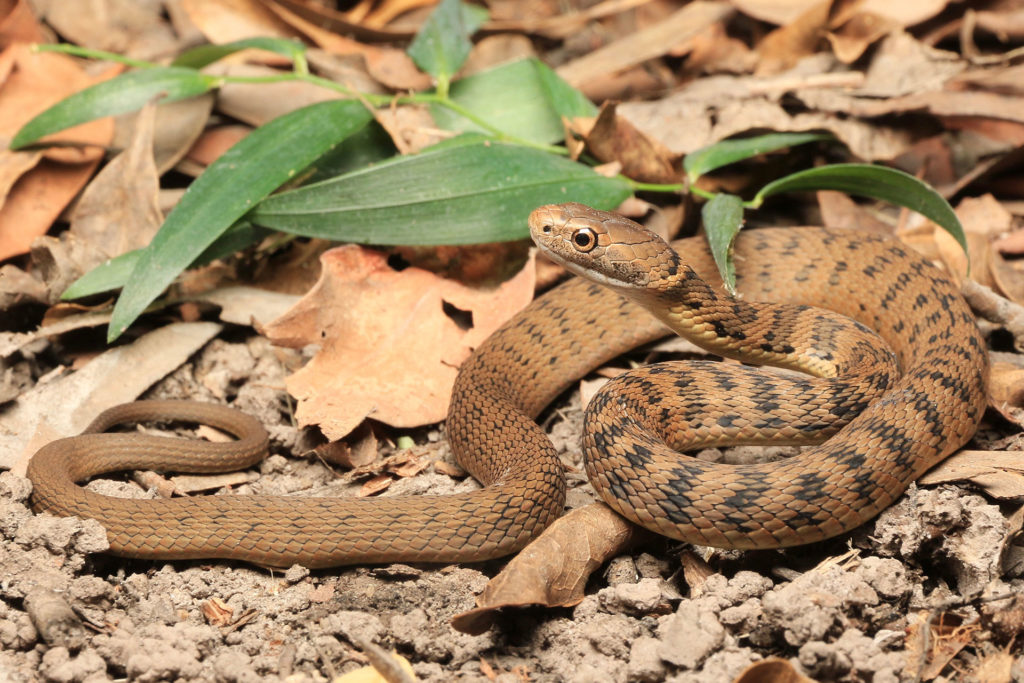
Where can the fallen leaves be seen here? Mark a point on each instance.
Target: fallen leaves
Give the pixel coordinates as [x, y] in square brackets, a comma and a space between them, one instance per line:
[553, 570]
[39, 185]
[390, 342]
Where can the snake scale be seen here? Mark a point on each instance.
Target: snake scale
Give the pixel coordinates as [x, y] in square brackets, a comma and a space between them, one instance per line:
[886, 426]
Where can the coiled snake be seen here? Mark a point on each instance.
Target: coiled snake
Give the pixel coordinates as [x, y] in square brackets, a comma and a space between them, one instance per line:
[915, 419]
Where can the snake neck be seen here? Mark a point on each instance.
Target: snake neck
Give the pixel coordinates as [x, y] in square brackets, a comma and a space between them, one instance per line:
[731, 327]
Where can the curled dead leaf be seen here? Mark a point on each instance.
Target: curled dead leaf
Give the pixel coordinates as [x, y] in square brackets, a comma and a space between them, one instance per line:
[615, 139]
[553, 570]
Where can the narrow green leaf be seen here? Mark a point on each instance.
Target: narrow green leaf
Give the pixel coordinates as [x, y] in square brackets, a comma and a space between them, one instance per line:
[442, 44]
[113, 273]
[515, 98]
[256, 166]
[198, 57]
[878, 182]
[479, 191]
[127, 92]
[726, 152]
[367, 146]
[564, 99]
[723, 218]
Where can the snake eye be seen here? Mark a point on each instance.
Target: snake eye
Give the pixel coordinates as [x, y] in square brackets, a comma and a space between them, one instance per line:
[584, 239]
[546, 229]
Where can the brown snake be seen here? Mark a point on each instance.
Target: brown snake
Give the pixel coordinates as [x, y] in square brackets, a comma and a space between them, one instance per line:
[916, 418]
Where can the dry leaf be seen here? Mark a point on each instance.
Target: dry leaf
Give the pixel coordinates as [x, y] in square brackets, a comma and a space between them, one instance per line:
[784, 47]
[999, 474]
[932, 644]
[224, 21]
[36, 81]
[615, 139]
[375, 485]
[20, 25]
[361, 453]
[553, 570]
[127, 27]
[772, 670]
[654, 41]
[217, 612]
[390, 66]
[118, 210]
[391, 341]
[839, 210]
[369, 674]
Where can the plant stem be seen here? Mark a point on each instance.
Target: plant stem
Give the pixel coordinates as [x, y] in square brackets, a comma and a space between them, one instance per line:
[676, 188]
[77, 51]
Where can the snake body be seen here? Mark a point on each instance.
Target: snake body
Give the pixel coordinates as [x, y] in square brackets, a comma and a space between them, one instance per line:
[916, 418]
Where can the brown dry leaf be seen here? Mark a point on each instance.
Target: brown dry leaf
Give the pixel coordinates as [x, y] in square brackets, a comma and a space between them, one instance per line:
[215, 141]
[390, 348]
[773, 670]
[553, 570]
[224, 21]
[781, 12]
[36, 81]
[375, 485]
[615, 139]
[258, 103]
[995, 667]
[852, 38]
[839, 210]
[178, 126]
[390, 66]
[20, 25]
[999, 474]
[217, 612]
[984, 220]
[127, 27]
[695, 571]
[715, 51]
[931, 646]
[387, 10]
[784, 47]
[341, 23]
[651, 42]
[118, 210]
[362, 451]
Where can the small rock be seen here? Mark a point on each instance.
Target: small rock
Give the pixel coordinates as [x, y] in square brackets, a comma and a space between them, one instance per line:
[645, 665]
[296, 573]
[234, 667]
[631, 598]
[621, 570]
[690, 635]
[354, 626]
[58, 665]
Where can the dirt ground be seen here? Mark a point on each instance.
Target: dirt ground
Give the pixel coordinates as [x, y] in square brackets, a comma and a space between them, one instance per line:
[914, 588]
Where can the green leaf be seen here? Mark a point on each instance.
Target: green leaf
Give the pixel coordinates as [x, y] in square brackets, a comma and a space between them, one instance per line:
[564, 99]
[442, 44]
[198, 57]
[516, 98]
[723, 218]
[366, 146]
[256, 166]
[127, 92]
[878, 182]
[461, 192]
[113, 273]
[707, 159]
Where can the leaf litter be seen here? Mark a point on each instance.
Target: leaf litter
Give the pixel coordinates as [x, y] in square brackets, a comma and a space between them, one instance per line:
[926, 591]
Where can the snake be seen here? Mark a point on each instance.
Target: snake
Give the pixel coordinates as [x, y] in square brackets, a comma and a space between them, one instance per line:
[879, 371]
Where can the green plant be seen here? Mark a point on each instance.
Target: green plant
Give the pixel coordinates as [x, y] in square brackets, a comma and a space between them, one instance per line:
[477, 187]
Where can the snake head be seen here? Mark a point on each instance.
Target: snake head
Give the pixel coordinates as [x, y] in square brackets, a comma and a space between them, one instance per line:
[602, 246]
